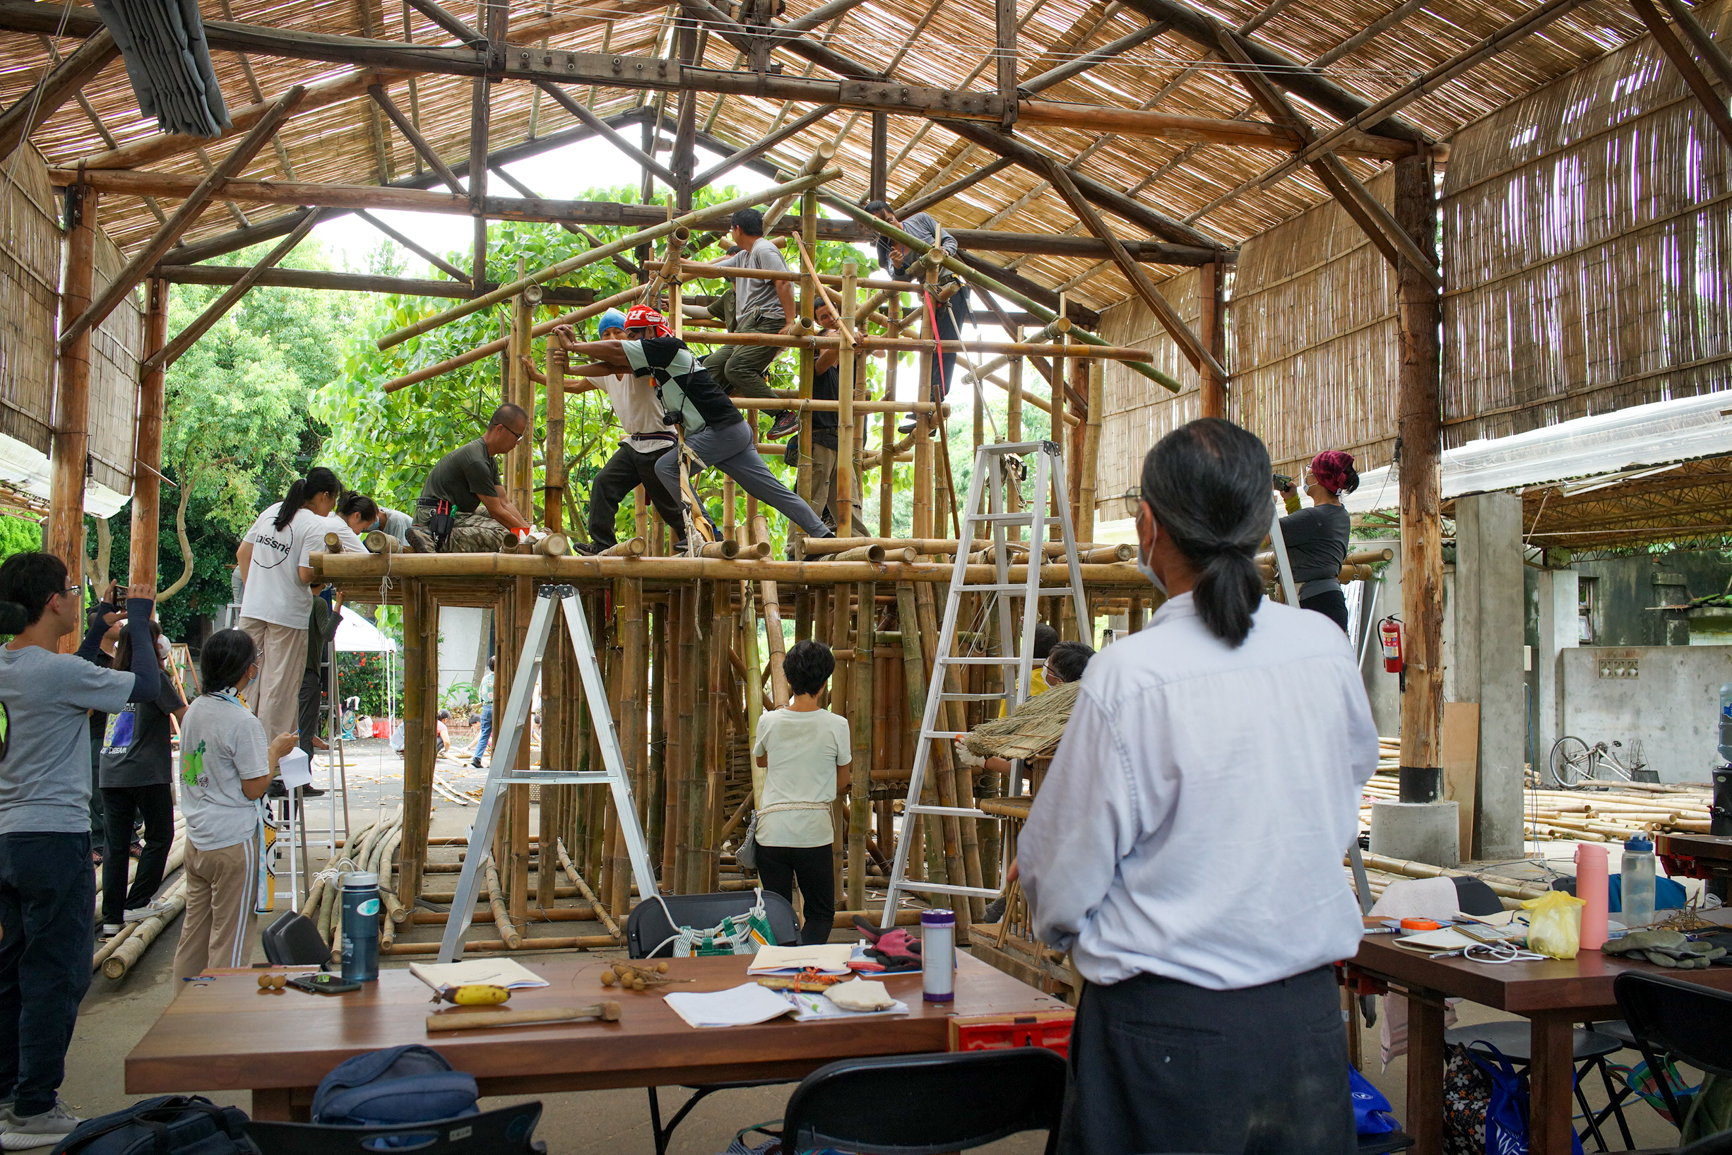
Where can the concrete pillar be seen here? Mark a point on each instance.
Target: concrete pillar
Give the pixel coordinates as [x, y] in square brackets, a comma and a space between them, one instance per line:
[1559, 630]
[1488, 661]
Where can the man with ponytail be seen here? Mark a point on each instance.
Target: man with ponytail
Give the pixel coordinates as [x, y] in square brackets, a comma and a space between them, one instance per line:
[276, 556]
[1186, 844]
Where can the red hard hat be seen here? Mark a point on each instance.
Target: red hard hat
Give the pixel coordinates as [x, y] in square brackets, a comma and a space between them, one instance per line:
[644, 317]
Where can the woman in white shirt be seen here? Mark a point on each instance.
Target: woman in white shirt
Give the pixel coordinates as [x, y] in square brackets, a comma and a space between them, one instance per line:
[275, 555]
[1186, 844]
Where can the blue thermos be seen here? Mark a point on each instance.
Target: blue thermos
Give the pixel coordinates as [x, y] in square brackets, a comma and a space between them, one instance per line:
[360, 926]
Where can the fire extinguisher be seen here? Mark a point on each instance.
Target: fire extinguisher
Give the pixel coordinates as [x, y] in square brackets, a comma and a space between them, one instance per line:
[1389, 635]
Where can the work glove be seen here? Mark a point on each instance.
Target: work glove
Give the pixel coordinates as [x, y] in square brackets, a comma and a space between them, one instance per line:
[1665, 948]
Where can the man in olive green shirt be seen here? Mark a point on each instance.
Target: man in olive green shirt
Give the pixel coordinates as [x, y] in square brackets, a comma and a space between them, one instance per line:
[467, 479]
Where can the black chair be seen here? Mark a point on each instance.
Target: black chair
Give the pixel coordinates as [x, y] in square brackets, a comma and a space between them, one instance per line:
[647, 930]
[926, 1104]
[1683, 1021]
[1589, 1050]
[506, 1131]
[293, 940]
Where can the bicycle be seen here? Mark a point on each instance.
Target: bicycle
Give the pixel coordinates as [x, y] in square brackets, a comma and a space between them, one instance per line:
[1572, 760]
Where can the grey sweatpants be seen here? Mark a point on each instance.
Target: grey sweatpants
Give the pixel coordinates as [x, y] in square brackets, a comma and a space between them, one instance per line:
[732, 449]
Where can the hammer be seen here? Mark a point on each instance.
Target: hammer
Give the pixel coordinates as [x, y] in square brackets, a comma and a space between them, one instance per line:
[473, 1020]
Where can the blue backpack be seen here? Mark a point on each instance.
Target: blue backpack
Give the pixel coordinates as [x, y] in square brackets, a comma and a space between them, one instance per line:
[409, 1084]
[163, 1125]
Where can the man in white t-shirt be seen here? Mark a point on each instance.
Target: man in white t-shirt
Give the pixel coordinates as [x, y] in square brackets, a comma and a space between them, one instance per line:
[633, 464]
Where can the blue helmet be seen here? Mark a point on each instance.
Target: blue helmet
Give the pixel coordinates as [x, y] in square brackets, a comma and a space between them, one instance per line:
[612, 319]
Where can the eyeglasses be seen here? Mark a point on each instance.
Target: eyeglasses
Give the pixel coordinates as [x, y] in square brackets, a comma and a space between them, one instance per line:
[1133, 499]
[516, 436]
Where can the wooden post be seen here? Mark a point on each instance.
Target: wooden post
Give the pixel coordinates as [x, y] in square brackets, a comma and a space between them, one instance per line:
[1420, 416]
[517, 846]
[703, 767]
[875, 185]
[808, 302]
[923, 464]
[1212, 334]
[680, 772]
[1077, 449]
[415, 787]
[847, 464]
[671, 658]
[147, 454]
[772, 625]
[886, 463]
[861, 711]
[553, 486]
[479, 115]
[1085, 526]
[71, 441]
[841, 700]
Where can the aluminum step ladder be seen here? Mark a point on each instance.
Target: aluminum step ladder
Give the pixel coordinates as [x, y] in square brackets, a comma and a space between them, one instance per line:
[985, 510]
[550, 600]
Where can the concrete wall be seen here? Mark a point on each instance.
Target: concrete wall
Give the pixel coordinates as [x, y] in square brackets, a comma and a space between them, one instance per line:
[1624, 587]
[1671, 705]
[459, 639]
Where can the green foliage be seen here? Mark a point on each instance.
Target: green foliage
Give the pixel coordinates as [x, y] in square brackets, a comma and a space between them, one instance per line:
[364, 676]
[18, 536]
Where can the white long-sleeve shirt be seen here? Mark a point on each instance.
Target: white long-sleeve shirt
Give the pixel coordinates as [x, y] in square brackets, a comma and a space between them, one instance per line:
[1195, 816]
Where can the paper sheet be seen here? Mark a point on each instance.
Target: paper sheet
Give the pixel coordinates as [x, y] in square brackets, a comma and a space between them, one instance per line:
[830, 959]
[501, 972]
[812, 1007]
[738, 1007]
[296, 768]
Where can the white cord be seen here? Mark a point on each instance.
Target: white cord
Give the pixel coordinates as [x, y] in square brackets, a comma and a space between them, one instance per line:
[1499, 952]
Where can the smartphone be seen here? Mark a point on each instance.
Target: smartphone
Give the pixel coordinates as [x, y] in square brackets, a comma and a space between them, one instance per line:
[324, 984]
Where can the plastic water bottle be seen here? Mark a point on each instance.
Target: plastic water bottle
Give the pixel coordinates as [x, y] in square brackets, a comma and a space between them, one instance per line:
[938, 955]
[360, 926]
[1638, 883]
[1726, 722]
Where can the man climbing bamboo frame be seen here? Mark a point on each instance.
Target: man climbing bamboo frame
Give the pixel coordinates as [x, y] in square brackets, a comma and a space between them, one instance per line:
[462, 508]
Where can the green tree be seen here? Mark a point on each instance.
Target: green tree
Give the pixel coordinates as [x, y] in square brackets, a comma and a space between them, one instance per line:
[237, 428]
[18, 536]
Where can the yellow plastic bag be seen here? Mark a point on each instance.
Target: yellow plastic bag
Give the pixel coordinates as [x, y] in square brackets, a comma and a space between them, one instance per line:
[1555, 924]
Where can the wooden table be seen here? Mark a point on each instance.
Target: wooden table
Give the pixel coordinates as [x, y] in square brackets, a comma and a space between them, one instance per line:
[1553, 995]
[228, 1035]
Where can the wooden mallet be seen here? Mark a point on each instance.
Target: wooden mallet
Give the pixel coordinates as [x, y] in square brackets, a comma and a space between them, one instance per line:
[475, 1020]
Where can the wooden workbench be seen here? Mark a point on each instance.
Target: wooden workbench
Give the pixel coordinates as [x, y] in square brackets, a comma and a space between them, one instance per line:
[226, 1034]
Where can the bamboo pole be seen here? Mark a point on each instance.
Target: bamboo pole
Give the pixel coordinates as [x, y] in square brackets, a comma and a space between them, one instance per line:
[993, 286]
[599, 253]
[842, 484]
[861, 710]
[415, 799]
[772, 624]
[132, 948]
[480, 352]
[1091, 449]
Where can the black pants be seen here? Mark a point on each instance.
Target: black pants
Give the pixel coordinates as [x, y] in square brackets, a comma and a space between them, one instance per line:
[952, 315]
[625, 471]
[814, 867]
[1160, 1065]
[1332, 604]
[307, 720]
[122, 807]
[46, 892]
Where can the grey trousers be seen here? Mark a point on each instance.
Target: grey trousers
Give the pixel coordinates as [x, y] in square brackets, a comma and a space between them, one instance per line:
[733, 449]
[1160, 1065]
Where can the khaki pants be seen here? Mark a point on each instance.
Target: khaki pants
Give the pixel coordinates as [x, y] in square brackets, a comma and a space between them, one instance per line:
[276, 696]
[217, 928]
[824, 487]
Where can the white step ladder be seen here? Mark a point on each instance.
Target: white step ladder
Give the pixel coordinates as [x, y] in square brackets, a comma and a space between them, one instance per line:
[988, 480]
[550, 599]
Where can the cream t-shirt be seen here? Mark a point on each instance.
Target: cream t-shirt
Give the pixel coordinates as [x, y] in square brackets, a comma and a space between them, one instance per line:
[804, 747]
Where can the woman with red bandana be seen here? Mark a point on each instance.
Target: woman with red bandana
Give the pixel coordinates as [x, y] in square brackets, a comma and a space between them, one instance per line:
[1316, 538]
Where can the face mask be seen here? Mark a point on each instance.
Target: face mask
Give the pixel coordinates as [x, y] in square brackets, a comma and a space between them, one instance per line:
[162, 649]
[1144, 569]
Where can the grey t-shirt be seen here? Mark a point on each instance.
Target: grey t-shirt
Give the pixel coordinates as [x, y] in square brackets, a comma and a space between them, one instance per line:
[463, 477]
[45, 751]
[1316, 540]
[396, 523]
[220, 744]
[138, 749]
[758, 298]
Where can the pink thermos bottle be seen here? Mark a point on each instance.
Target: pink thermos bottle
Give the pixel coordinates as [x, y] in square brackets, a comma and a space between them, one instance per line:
[1591, 889]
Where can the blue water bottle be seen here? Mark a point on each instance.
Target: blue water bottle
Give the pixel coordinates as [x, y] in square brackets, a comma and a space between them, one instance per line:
[360, 926]
[1637, 884]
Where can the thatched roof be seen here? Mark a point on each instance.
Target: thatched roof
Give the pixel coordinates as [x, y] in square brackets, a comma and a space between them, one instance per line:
[346, 141]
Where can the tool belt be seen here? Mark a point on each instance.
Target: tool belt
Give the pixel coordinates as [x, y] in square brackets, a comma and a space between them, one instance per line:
[440, 522]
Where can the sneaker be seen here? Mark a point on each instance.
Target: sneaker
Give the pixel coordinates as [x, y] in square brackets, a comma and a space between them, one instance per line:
[906, 427]
[110, 929]
[136, 849]
[311, 792]
[24, 1132]
[421, 541]
[590, 548]
[476, 763]
[786, 422]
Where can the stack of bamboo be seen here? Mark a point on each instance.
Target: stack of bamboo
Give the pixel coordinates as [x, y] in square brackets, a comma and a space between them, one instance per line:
[1590, 814]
